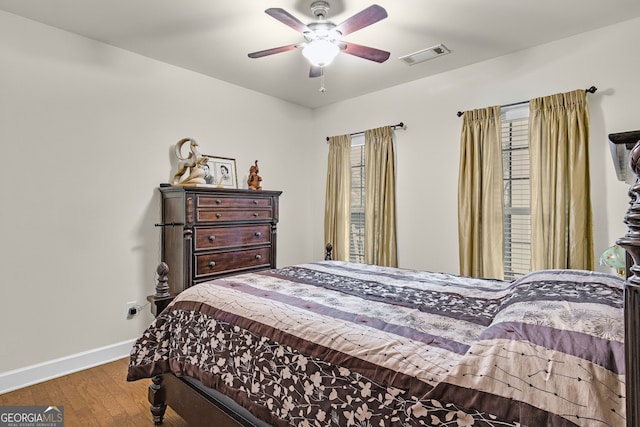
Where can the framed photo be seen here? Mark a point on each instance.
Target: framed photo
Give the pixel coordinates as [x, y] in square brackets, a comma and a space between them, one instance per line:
[220, 172]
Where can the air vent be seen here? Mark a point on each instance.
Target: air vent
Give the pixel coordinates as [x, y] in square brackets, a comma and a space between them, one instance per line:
[425, 54]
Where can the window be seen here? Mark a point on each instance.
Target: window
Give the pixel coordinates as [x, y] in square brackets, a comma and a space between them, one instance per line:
[516, 187]
[356, 234]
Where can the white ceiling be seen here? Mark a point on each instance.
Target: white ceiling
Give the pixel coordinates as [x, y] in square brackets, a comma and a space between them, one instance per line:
[214, 37]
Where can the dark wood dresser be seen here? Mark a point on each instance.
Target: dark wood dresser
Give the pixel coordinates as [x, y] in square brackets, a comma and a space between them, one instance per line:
[215, 232]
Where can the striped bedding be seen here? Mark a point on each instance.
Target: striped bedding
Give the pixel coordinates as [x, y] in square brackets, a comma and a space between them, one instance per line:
[343, 344]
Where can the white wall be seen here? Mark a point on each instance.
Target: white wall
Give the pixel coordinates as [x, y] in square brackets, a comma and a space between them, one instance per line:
[87, 132]
[428, 151]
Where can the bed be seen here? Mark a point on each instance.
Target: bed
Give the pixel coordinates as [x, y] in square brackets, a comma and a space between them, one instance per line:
[344, 344]
[337, 343]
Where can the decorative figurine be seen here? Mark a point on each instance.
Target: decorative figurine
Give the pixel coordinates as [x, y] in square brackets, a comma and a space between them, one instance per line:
[254, 178]
[192, 163]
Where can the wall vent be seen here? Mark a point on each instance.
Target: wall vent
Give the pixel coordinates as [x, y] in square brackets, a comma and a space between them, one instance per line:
[425, 54]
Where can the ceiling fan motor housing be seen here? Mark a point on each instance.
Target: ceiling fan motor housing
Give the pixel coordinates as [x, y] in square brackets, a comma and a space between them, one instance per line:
[322, 31]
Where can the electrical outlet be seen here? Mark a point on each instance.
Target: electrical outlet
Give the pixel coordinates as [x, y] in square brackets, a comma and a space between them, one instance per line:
[133, 309]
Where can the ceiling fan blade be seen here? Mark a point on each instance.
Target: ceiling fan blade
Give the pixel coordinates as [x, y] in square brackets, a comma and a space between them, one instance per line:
[370, 53]
[366, 17]
[315, 71]
[287, 19]
[272, 51]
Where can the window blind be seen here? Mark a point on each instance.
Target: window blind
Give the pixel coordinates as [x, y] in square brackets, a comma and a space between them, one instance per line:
[516, 187]
[356, 235]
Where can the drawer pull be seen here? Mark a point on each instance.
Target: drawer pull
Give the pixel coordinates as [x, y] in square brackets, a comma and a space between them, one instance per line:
[218, 215]
[258, 256]
[255, 202]
[257, 234]
[212, 264]
[212, 238]
[218, 201]
[255, 214]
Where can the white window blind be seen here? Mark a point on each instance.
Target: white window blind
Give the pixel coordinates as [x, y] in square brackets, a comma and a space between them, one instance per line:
[516, 187]
[356, 239]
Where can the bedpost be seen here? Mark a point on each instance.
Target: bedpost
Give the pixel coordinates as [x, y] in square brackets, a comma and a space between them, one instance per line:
[161, 298]
[157, 399]
[631, 243]
[328, 255]
[162, 287]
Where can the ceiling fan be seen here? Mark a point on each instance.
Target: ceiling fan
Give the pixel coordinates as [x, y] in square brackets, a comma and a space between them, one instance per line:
[323, 39]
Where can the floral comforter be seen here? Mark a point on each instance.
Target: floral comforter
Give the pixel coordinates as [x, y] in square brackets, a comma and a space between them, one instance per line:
[343, 344]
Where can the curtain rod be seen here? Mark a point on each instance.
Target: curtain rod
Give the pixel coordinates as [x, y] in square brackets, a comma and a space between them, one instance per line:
[399, 125]
[592, 89]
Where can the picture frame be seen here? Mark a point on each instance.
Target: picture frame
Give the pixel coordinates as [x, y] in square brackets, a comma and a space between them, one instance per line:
[220, 171]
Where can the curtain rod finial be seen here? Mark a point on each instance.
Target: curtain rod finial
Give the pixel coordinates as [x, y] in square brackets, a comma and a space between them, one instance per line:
[459, 113]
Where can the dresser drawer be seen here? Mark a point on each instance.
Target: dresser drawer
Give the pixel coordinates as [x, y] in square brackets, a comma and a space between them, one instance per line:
[207, 201]
[224, 237]
[215, 263]
[220, 215]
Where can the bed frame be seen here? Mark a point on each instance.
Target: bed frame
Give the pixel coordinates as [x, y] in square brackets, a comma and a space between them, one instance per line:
[631, 243]
[200, 407]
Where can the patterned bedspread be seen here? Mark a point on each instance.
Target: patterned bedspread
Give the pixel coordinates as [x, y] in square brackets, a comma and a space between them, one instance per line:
[342, 344]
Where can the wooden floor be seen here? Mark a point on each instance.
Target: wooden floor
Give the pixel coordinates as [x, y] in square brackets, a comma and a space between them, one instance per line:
[99, 396]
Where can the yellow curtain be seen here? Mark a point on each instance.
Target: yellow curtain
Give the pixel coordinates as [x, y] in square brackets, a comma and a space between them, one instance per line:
[561, 218]
[380, 245]
[337, 211]
[480, 205]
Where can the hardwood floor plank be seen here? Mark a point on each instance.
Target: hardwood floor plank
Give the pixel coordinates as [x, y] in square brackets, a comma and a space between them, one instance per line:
[100, 396]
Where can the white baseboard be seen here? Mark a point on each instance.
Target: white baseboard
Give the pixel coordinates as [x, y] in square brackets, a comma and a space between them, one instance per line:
[23, 377]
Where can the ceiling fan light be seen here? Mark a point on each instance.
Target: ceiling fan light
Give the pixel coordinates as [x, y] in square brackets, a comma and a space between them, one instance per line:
[320, 52]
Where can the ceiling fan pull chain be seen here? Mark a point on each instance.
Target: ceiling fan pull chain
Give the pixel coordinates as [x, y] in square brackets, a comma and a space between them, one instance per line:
[322, 88]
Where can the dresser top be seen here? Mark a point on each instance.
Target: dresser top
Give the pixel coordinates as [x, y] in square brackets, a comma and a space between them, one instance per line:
[166, 188]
